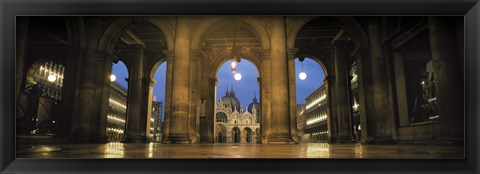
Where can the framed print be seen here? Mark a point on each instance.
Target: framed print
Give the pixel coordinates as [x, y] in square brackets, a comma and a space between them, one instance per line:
[205, 87]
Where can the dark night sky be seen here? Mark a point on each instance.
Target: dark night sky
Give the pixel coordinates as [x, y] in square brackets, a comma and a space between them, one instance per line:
[245, 88]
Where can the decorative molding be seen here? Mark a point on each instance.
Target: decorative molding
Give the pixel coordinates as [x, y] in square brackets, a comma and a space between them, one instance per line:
[292, 52]
[149, 81]
[409, 34]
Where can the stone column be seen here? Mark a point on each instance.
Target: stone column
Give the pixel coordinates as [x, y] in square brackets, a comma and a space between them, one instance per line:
[383, 110]
[448, 79]
[365, 97]
[341, 93]
[146, 108]
[193, 116]
[102, 94]
[292, 94]
[208, 128]
[134, 103]
[280, 113]
[70, 85]
[399, 74]
[84, 127]
[168, 94]
[331, 125]
[21, 49]
[180, 88]
[264, 83]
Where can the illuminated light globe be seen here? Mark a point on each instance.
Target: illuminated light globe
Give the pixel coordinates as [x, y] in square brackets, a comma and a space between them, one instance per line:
[238, 76]
[112, 78]
[52, 78]
[233, 65]
[302, 76]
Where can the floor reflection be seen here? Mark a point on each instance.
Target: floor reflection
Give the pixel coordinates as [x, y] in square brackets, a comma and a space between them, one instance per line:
[318, 150]
[306, 150]
[114, 150]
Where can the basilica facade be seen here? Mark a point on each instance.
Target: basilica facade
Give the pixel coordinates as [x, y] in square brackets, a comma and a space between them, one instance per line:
[233, 124]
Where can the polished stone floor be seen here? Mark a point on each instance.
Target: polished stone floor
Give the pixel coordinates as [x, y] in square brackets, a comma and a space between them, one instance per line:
[307, 150]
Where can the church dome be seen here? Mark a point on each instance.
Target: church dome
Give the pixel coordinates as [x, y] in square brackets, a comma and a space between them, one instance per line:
[254, 103]
[229, 100]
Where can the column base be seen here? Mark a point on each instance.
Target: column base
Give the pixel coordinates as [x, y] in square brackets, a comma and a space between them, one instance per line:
[83, 137]
[178, 139]
[139, 139]
[281, 139]
[379, 139]
[206, 139]
[344, 139]
[449, 139]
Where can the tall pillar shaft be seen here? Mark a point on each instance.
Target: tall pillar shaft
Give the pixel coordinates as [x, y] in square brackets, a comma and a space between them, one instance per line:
[168, 94]
[85, 123]
[181, 82]
[102, 93]
[448, 79]
[193, 116]
[292, 94]
[383, 107]
[70, 85]
[146, 114]
[365, 96]
[134, 102]
[265, 119]
[280, 114]
[341, 93]
[328, 81]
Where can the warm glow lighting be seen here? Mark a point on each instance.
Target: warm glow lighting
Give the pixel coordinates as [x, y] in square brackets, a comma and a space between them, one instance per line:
[302, 76]
[115, 119]
[117, 103]
[320, 99]
[52, 78]
[112, 78]
[316, 120]
[238, 76]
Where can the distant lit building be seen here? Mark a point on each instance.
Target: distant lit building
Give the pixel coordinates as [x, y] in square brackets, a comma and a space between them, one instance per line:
[316, 127]
[156, 121]
[233, 124]
[117, 112]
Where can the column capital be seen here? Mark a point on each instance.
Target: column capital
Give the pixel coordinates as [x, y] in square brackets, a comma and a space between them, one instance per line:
[195, 54]
[76, 51]
[292, 52]
[329, 79]
[106, 56]
[169, 53]
[213, 81]
[149, 81]
[265, 54]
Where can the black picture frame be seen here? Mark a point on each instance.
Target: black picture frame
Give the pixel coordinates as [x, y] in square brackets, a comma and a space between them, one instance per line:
[11, 8]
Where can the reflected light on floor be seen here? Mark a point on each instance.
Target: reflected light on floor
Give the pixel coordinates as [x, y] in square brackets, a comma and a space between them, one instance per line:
[151, 147]
[114, 150]
[359, 151]
[318, 150]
